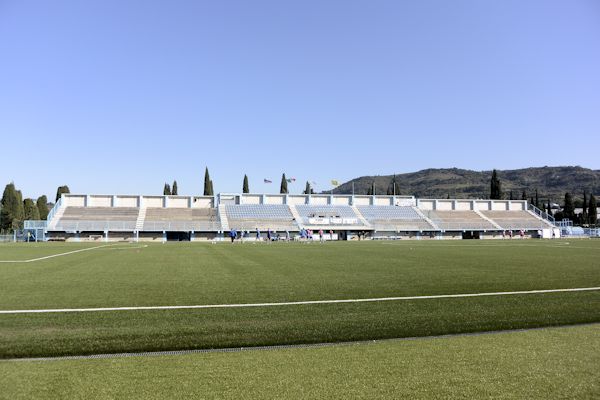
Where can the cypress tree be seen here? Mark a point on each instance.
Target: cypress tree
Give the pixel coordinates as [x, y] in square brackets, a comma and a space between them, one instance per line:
[569, 209]
[283, 188]
[524, 196]
[372, 189]
[537, 200]
[31, 211]
[394, 188]
[584, 212]
[166, 190]
[20, 214]
[495, 187]
[9, 207]
[549, 208]
[510, 195]
[592, 210]
[308, 189]
[61, 190]
[211, 188]
[174, 188]
[42, 205]
[207, 184]
[245, 187]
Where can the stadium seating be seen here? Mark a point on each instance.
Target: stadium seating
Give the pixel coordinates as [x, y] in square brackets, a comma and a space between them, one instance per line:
[516, 220]
[181, 219]
[394, 218]
[403, 220]
[459, 220]
[97, 219]
[276, 217]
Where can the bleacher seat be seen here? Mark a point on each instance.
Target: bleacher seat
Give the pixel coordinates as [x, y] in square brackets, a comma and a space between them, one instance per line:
[516, 220]
[98, 219]
[459, 220]
[394, 218]
[276, 217]
[181, 219]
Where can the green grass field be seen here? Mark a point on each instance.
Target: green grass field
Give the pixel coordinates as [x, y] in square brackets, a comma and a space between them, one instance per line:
[202, 273]
[543, 364]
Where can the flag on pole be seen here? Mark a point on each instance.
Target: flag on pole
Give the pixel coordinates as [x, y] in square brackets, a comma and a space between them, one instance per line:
[267, 181]
[335, 182]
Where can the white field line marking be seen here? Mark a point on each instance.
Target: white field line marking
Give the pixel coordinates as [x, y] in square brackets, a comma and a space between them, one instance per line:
[55, 255]
[128, 248]
[294, 303]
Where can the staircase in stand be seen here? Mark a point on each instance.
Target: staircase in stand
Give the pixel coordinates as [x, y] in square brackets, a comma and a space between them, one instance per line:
[361, 217]
[139, 223]
[55, 218]
[491, 221]
[296, 216]
[223, 218]
[429, 221]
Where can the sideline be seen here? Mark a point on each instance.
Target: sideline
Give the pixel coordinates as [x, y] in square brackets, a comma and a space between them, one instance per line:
[56, 255]
[292, 346]
[295, 303]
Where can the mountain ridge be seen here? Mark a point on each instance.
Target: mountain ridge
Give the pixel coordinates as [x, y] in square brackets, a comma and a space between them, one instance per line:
[551, 182]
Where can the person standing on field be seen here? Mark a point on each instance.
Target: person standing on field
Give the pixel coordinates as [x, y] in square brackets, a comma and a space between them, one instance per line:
[321, 236]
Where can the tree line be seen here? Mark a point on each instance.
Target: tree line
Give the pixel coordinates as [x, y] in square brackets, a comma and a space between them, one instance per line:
[169, 190]
[589, 206]
[14, 209]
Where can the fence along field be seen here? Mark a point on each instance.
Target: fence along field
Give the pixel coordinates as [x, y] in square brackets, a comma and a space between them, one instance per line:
[202, 274]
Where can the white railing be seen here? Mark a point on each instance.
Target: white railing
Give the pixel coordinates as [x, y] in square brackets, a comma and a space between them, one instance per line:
[181, 226]
[541, 214]
[8, 238]
[35, 224]
[54, 210]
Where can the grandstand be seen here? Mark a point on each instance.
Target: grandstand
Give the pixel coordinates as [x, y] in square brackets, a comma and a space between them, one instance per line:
[118, 217]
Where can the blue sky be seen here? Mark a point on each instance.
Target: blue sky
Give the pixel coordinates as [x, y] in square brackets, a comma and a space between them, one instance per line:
[121, 96]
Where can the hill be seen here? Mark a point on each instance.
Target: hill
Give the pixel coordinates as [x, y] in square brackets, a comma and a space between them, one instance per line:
[551, 183]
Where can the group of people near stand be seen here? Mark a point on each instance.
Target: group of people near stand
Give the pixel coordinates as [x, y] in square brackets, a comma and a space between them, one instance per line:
[305, 235]
[509, 234]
